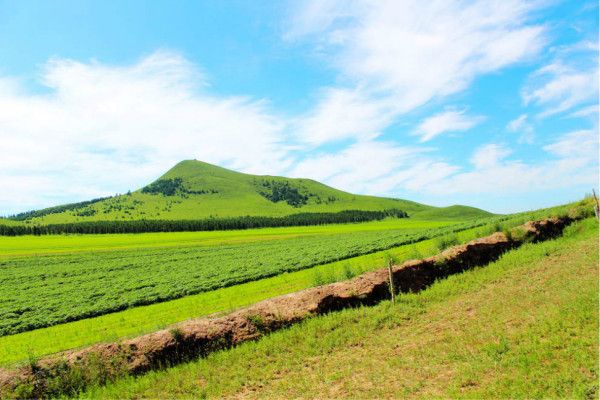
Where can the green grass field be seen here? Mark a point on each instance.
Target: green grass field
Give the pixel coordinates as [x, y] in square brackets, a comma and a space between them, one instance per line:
[522, 327]
[211, 191]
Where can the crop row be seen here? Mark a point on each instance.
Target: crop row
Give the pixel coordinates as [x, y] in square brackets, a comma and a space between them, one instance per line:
[39, 291]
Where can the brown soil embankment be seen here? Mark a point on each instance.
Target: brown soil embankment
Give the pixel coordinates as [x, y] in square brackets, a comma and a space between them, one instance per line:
[72, 371]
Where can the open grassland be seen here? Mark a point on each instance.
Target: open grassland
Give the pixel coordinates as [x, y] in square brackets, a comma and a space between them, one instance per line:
[39, 291]
[522, 327]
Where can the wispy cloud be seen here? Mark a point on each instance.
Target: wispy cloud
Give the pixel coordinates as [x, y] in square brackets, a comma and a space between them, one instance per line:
[375, 167]
[392, 61]
[573, 162]
[522, 125]
[569, 81]
[447, 121]
[344, 114]
[582, 144]
[584, 112]
[489, 156]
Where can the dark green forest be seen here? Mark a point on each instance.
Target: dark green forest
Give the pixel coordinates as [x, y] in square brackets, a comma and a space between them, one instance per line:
[210, 224]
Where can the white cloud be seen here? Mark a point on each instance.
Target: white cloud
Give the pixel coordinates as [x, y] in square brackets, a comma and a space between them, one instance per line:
[518, 123]
[400, 55]
[489, 156]
[342, 114]
[357, 167]
[105, 128]
[374, 167]
[522, 126]
[563, 90]
[584, 112]
[447, 121]
[569, 81]
[575, 162]
[581, 144]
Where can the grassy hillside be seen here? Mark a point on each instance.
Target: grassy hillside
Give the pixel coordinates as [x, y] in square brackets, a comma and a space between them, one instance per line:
[522, 327]
[197, 190]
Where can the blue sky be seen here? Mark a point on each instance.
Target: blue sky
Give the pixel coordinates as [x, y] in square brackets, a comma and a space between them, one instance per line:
[487, 103]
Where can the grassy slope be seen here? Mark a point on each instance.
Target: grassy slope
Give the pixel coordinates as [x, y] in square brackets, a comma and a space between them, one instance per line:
[525, 326]
[5, 221]
[237, 195]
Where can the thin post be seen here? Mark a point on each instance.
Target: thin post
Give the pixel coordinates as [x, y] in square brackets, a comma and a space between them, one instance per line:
[391, 276]
[597, 206]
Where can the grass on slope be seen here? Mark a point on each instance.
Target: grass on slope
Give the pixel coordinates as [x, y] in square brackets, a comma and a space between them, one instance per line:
[144, 319]
[219, 192]
[525, 326]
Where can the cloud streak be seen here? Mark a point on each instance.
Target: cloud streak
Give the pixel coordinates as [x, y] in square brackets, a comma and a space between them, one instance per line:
[447, 121]
[396, 56]
[570, 80]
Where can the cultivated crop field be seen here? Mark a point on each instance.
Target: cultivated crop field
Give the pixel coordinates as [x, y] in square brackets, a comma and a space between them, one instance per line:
[44, 290]
[143, 319]
[53, 244]
[134, 321]
[59, 274]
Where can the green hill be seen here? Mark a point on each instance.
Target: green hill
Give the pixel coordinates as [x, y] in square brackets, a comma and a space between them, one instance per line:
[197, 190]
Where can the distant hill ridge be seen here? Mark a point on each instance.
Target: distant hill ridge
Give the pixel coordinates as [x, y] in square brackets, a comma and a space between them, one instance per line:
[197, 190]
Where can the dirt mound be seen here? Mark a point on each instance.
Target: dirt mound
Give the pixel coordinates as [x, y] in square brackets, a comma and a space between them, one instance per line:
[197, 338]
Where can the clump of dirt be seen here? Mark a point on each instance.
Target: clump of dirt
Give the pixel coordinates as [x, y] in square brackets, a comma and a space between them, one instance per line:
[74, 370]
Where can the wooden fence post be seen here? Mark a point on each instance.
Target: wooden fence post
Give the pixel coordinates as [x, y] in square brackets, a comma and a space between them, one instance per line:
[597, 206]
[391, 275]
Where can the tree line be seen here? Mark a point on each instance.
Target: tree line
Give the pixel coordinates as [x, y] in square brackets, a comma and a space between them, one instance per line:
[55, 210]
[209, 224]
